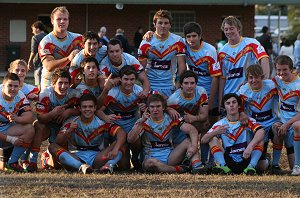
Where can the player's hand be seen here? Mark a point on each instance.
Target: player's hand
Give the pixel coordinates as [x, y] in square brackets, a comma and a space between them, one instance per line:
[32, 96]
[142, 107]
[12, 117]
[189, 118]
[112, 154]
[19, 142]
[111, 118]
[74, 124]
[275, 128]
[145, 115]
[247, 152]
[58, 110]
[73, 54]
[30, 66]
[283, 129]
[244, 118]
[143, 94]
[147, 36]
[173, 113]
[221, 129]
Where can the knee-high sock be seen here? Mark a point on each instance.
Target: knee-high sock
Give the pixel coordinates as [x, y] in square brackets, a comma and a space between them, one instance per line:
[34, 154]
[297, 149]
[24, 157]
[68, 160]
[115, 160]
[16, 154]
[277, 148]
[255, 156]
[204, 152]
[218, 154]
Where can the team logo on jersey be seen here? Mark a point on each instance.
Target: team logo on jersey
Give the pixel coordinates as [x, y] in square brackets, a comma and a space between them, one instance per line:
[235, 73]
[260, 49]
[216, 66]
[152, 48]
[46, 51]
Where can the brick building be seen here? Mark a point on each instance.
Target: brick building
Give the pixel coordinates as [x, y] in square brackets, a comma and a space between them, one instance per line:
[16, 19]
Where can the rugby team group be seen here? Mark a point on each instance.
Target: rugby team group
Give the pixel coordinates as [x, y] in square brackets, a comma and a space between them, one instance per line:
[179, 107]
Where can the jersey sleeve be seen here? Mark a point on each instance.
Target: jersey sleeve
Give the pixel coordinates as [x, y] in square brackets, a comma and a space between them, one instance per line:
[43, 104]
[143, 50]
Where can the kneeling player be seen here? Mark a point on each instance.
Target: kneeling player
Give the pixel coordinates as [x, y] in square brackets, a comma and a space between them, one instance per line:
[156, 129]
[238, 154]
[82, 143]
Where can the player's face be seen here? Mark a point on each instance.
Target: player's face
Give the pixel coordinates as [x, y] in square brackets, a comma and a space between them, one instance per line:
[60, 22]
[11, 88]
[162, 26]
[255, 82]
[284, 73]
[127, 82]
[90, 70]
[91, 47]
[193, 39]
[231, 32]
[231, 106]
[156, 110]
[188, 86]
[21, 71]
[35, 31]
[87, 109]
[61, 86]
[115, 54]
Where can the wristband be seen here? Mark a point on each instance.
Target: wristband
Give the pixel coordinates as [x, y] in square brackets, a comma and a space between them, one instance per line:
[11, 139]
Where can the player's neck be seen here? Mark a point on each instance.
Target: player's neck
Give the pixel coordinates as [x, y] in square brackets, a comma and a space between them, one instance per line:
[158, 118]
[91, 82]
[188, 95]
[197, 46]
[60, 35]
[6, 97]
[161, 37]
[86, 120]
[233, 117]
[126, 91]
[235, 40]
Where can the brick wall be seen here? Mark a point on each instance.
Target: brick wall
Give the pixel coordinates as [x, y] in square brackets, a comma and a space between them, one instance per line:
[132, 16]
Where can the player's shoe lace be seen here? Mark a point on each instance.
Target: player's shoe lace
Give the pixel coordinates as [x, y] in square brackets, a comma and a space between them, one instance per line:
[296, 170]
[85, 169]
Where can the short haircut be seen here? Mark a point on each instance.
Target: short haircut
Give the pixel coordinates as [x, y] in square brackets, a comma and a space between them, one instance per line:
[16, 62]
[87, 97]
[114, 42]
[157, 98]
[87, 60]
[230, 95]
[11, 76]
[60, 73]
[128, 70]
[187, 74]
[264, 29]
[162, 14]
[192, 27]
[90, 35]
[284, 60]
[38, 25]
[61, 9]
[254, 70]
[233, 21]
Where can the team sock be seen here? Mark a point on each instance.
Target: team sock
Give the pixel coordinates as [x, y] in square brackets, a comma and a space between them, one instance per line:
[255, 156]
[16, 153]
[196, 164]
[115, 160]
[25, 155]
[276, 154]
[68, 160]
[34, 154]
[297, 149]
[218, 155]
[204, 152]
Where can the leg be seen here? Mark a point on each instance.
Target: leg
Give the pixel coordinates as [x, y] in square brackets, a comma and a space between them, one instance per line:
[296, 168]
[155, 166]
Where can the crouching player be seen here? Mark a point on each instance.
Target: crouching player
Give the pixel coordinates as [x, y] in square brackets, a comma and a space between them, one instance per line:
[82, 142]
[155, 129]
[239, 154]
[15, 120]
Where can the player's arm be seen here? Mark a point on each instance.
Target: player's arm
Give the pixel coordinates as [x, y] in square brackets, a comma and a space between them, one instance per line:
[284, 127]
[193, 134]
[180, 68]
[136, 130]
[258, 137]
[264, 62]
[146, 84]
[46, 117]
[213, 92]
[214, 132]
[222, 81]
[51, 64]
[121, 139]
[143, 62]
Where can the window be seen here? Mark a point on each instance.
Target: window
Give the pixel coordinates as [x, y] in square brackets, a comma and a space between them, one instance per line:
[179, 19]
[17, 31]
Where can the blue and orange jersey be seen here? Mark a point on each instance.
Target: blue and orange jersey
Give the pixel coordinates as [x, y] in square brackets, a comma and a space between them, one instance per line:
[161, 59]
[29, 89]
[234, 59]
[84, 89]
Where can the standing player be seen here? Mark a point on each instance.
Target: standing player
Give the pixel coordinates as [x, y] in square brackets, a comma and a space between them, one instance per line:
[237, 55]
[82, 142]
[259, 101]
[155, 129]
[237, 154]
[161, 55]
[56, 104]
[116, 59]
[15, 120]
[20, 68]
[59, 47]
[93, 48]
[288, 129]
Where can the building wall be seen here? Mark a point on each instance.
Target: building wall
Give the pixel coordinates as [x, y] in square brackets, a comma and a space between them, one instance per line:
[132, 16]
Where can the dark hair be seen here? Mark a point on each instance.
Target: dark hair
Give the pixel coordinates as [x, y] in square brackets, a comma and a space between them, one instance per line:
[254, 70]
[87, 60]
[128, 70]
[38, 25]
[60, 73]
[230, 95]
[284, 60]
[162, 14]
[264, 29]
[187, 74]
[114, 42]
[87, 97]
[11, 76]
[157, 98]
[90, 35]
[192, 27]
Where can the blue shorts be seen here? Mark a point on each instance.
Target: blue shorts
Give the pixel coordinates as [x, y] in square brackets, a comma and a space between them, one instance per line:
[178, 136]
[5, 127]
[87, 156]
[54, 129]
[289, 138]
[161, 154]
[166, 92]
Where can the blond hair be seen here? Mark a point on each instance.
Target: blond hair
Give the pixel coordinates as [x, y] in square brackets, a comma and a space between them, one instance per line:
[16, 62]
